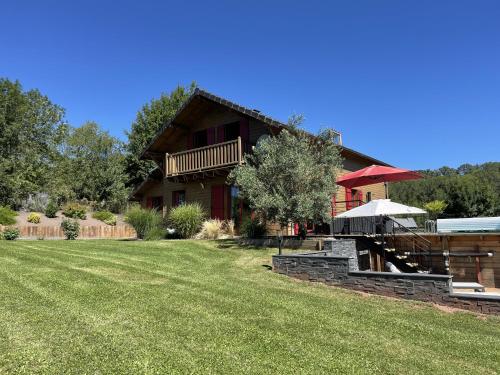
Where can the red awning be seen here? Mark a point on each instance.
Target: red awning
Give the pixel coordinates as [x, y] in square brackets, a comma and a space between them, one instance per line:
[375, 174]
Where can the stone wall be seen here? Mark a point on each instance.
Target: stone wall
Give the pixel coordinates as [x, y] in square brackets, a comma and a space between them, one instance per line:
[462, 268]
[343, 248]
[335, 270]
[313, 267]
[421, 287]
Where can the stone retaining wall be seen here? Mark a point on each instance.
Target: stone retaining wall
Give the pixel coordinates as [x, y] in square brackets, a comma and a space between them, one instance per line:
[485, 270]
[335, 270]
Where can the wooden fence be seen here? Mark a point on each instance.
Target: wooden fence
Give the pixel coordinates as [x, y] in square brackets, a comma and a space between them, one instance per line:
[485, 270]
[86, 231]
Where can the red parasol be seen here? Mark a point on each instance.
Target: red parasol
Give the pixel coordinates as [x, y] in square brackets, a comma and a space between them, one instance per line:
[375, 174]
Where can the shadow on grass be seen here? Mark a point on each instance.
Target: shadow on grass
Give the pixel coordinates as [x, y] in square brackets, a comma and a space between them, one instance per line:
[231, 244]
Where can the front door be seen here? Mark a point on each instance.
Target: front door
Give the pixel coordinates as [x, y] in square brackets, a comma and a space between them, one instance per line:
[217, 202]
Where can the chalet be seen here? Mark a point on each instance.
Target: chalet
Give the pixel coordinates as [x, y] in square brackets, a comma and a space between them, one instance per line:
[208, 137]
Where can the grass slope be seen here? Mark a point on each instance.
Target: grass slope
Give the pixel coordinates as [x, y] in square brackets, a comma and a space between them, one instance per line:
[191, 307]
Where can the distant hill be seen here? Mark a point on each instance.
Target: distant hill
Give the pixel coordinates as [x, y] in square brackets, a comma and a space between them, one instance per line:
[469, 190]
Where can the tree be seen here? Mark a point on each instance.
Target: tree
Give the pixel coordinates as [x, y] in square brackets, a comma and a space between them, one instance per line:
[149, 120]
[32, 130]
[290, 178]
[94, 167]
[471, 197]
[435, 208]
[469, 191]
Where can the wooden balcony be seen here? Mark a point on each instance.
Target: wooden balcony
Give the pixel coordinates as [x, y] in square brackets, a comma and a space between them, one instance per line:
[204, 159]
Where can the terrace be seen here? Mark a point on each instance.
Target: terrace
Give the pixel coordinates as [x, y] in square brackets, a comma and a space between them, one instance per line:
[201, 160]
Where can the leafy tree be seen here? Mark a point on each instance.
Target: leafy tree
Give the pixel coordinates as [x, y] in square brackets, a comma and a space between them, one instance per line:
[435, 208]
[94, 168]
[32, 130]
[290, 178]
[471, 197]
[470, 190]
[148, 122]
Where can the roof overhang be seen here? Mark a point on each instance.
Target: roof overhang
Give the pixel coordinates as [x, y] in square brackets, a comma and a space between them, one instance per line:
[154, 177]
[201, 102]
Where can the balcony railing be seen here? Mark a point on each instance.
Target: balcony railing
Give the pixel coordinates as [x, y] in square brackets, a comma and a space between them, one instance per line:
[206, 158]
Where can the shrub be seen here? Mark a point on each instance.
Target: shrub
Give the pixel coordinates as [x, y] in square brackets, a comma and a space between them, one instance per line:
[155, 233]
[34, 218]
[71, 229]
[186, 219]
[75, 211]
[35, 202]
[51, 209]
[228, 228]
[435, 208]
[110, 221]
[10, 234]
[7, 216]
[148, 224]
[105, 216]
[211, 229]
[253, 227]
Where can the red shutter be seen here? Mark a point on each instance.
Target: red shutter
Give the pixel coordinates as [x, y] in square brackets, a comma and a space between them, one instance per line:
[210, 136]
[217, 211]
[244, 130]
[348, 198]
[228, 202]
[220, 134]
[295, 228]
[360, 197]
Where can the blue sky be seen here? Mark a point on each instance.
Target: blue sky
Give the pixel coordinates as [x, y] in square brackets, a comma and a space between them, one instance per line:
[413, 83]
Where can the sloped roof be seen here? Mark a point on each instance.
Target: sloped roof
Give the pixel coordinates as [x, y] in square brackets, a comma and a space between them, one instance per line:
[243, 110]
[155, 175]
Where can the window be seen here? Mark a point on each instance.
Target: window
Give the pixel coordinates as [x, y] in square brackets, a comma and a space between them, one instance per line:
[178, 198]
[368, 196]
[218, 192]
[200, 139]
[155, 203]
[231, 131]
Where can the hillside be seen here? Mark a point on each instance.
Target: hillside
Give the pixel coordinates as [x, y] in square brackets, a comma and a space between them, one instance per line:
[469, 190]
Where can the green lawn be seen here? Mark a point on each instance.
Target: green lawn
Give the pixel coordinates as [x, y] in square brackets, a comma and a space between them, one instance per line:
[198, 307]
